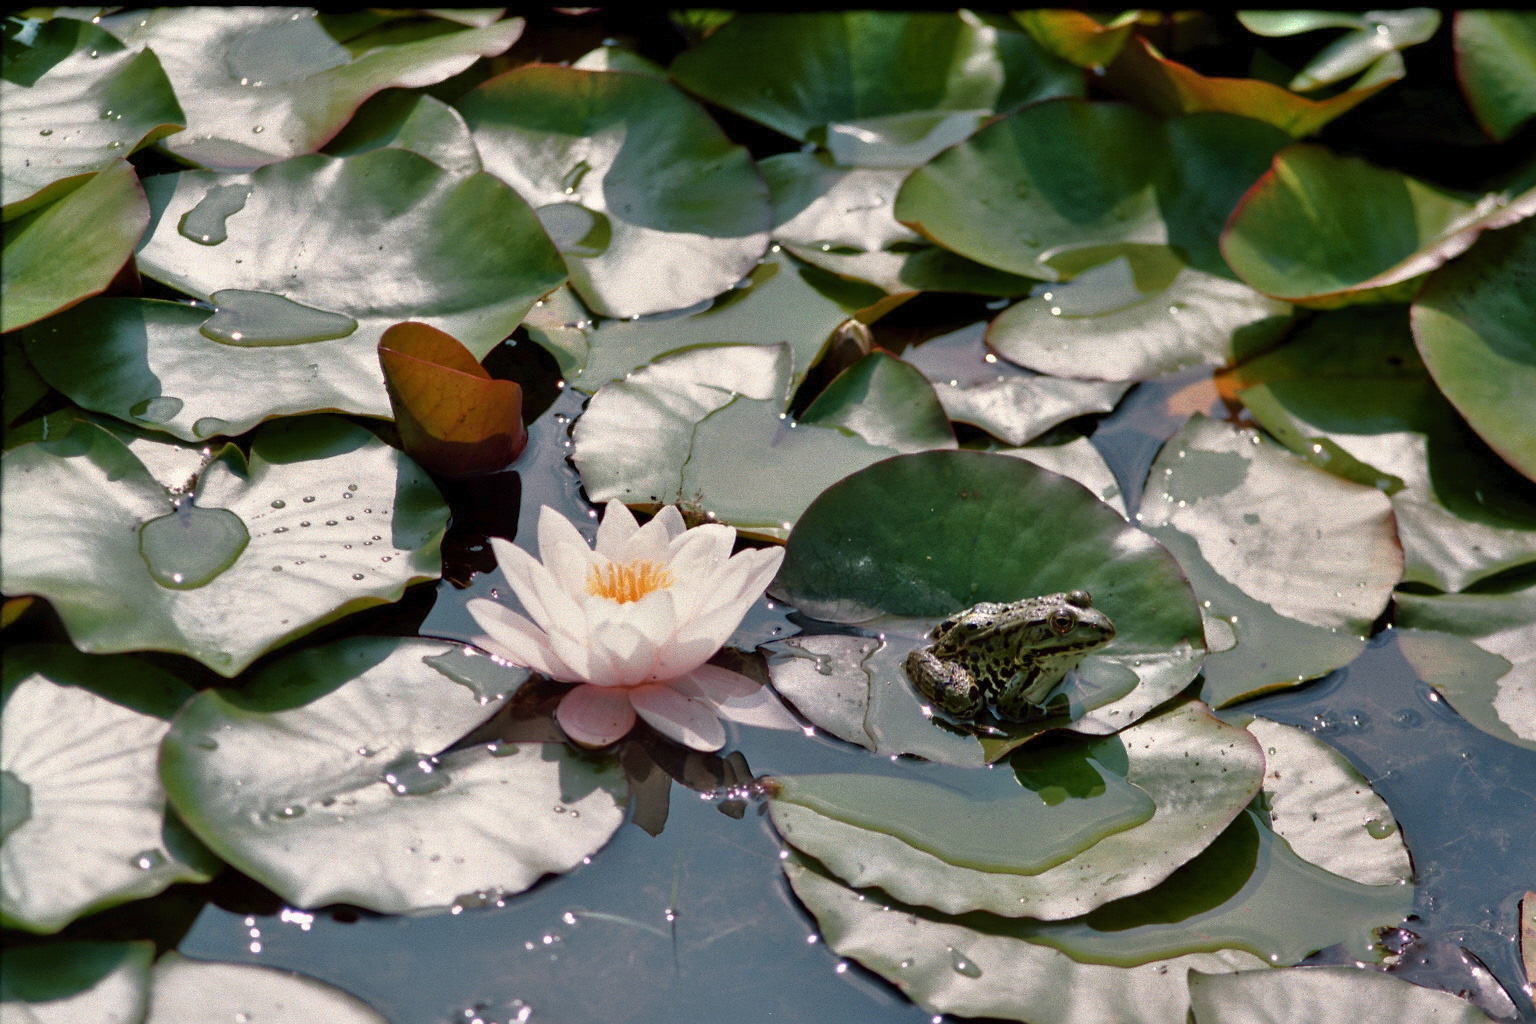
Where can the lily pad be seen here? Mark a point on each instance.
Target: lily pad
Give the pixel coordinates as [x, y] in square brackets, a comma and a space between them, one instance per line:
[1479, 651]
[779, 301]
[707, 425]
[261, 84]
[68, 982]
[1079, 460]
[72, 248]
[1077, 36]
[1291, 564]
[324, 778]
[85, 822]
[322, 520]
[801, 72]
[1328, 813]
[1496, 64]
[927, 534]
[643, 228]
[79, 117]
[1324, 995]
[1140, 313]
[462, 254]
[414, 121]
[1161, 756]
[1466, 325]
[1330, 230]
[1349, 393]
[184, 991]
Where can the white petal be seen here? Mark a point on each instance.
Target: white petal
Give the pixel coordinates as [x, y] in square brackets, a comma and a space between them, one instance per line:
[620, 655]
[716, 684]
[738, 698]
[618, 526]
[555, 530]
[713, 541]
[678, 717]
[671, 521]
[519, 641]
[594, 716]
[652, 541]
[682, 656]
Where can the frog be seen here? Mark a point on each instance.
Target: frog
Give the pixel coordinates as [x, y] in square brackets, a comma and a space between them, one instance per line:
[1007, 655]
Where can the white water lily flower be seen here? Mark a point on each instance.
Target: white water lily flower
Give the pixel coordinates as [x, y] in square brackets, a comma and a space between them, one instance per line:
[634, 622]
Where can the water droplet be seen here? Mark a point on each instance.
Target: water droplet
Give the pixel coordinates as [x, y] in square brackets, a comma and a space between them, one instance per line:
[252, 319]
[46, 132]
[156, 410]
[413, 774]
[572, 179]
[204, 223]
[356, 575]
[1380, 829]
[148, 860]
[958, 961]
[257, 130]
[308, 498]
[189, 547]
[291, 811]
[208, 426]
[279, 503]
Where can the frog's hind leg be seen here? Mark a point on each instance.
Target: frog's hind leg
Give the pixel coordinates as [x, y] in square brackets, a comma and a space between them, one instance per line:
[948, 685]
[1021, 697]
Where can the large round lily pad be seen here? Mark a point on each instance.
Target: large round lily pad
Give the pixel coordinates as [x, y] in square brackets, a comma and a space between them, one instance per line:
[1292, 565]
[1321, 995]
[84, 816]
[931, 533]
[644, 227]
[185, 991]
[325, 778]
[1197, 771]
[376, 239]
[69, 982]
[324, 519]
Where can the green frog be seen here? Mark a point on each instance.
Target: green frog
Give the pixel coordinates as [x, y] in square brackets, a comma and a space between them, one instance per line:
[1008, 655]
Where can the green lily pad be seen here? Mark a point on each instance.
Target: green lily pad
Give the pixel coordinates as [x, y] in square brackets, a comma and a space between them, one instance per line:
[1291, 564]
[323, 520]
[79, 117]
[261, 84]
[1330, 230]
[1138, 314]
[324, 778]
[1323, 995]
[1496, 64]
[408, 120]
[35, 45]
[1349, 393]
[928, 534]
[1466, 323]
[642, 228]
[1479, 651]
[779, 301]
[1326, 810]
[801, 72]
[617, 58]
[1373, 46]
[68, 982]
[1077, 36]
[72, 248]
[1160, 756]
[1078, 460]
[463, 254]
[85, 823]
[706, 426]
[184, 991]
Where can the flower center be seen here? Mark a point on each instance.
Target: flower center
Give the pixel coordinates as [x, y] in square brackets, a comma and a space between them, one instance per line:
[628, 582]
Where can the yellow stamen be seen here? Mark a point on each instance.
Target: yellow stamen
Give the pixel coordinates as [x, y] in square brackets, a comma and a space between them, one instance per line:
[628, 582]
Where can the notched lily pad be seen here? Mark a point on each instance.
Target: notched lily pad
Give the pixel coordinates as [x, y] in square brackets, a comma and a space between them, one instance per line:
[341, 748]
[336, 521]
[1288, 591]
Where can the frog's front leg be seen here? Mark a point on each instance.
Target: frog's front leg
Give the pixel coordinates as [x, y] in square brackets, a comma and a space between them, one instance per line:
[1022, 696]
[947, 684]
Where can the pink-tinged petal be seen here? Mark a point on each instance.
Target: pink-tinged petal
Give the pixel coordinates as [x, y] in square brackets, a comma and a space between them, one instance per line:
[690, 722]
[517, 640]
[679, 657]
[595, 716]
[716, 684]
[556, 530]
[617, 527]
[737, 698]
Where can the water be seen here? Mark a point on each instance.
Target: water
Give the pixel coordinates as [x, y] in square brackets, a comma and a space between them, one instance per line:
[191, 546]
[205, 222]
[257, 319]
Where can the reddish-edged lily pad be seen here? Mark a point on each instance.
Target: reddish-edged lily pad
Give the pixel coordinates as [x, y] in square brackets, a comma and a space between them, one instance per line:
[1076, 36]
[453, 417]
[1496, 64]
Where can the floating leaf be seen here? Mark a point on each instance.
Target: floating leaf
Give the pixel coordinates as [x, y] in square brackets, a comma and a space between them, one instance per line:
[1496, 64]
[339, 750]
[931, 533]
[1371, 47]
[85, 823]
[184, 991]
[462, 254]
[72, 248]
[801, 72]
[261, 84]
[617, 58]
[324, 520]
[1479, 651]
[453, 417]
[642, 228]
[1077, 36]
[1330, 230]
[69, 982]
[1324, 995]
[1291, 565]
[1161, 756]
[1078, 460]
[413, 121]
[706, 425]
[79, 117]
[1466, 323]
[1320, 805]
[1349, 393]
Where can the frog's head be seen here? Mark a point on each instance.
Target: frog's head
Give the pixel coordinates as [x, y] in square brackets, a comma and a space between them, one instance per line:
[1055, 625]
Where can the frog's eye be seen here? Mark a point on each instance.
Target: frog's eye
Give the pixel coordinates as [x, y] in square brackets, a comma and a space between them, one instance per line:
[1081, 598]
[1062, 621]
